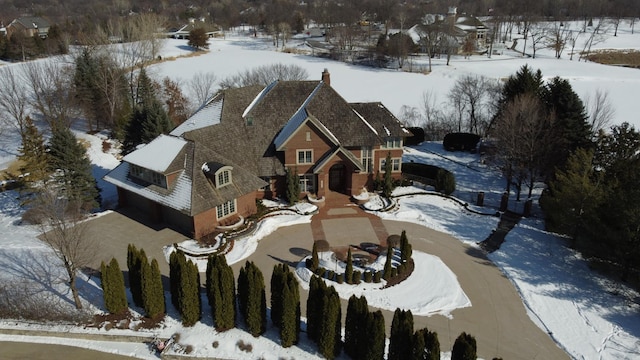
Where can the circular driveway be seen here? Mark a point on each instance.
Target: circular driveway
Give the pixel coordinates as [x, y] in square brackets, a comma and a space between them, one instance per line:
[497, 317]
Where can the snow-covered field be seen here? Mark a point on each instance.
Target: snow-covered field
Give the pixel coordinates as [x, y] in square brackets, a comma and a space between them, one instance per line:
[586, 314]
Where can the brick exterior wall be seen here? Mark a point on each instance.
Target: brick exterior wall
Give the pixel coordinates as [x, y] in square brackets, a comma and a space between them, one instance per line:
[207, 221]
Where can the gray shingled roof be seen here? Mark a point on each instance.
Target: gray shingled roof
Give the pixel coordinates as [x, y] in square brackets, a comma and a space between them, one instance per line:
[248, 120]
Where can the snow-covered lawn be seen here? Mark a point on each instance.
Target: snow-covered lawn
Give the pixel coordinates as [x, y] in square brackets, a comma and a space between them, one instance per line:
[585, 313]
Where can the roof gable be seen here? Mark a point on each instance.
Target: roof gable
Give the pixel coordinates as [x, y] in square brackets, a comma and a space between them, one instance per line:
[337, 152]
[208, 115]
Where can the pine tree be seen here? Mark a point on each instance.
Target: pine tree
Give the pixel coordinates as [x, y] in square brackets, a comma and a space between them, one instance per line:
[73, 167]
[134, 264]
[115, 297]
[348, 272]
[387, 186]
[400, 346]
[221, 292]
[152, 290]
[374, 337]
[464, 348]
[570, 115]
[33, 155]
[388, 263]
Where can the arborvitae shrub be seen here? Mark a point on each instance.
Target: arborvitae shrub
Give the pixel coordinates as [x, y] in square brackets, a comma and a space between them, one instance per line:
[115, 297]
[445, 182]
[290, 329]
[317, 288]
[394, 272]
[174, 279]
[340, 278]
[348, 272]
[152, 290]
[377, 277]
[331, 275]
[405, 248]
[277, 294]
[315, 262]
[464, 348]
[329, 338]
[388, 264]
[256, 302]
[356, 328]
[320, 271]
[190, 306]
[375, 336]
[221, 292]
[135, 274]
[368, 276]
[357, 277]
[401, 336]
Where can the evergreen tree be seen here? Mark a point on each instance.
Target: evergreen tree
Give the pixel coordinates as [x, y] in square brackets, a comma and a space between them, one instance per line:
[400, 346]
[149, 119]
[174, 278]
[252, 298]
[426, 345]
[189, 291]
[73, 168]
[356, 327]
[464, 348]
[115, 297]
[445, 182]
[317, 288]
[293, 186]
[388, 179]
[348, 272]
[388, 265]
[221, 292]
[525, 81]
[290, 328]
[315, 262]
[134, 264]
[33, 155]
[152, 290]
[374, 337]
[405, 248]
[329, 343]
[277, 294]
[570, 115]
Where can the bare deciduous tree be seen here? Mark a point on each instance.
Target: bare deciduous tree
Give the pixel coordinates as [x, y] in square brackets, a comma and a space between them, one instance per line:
[538, 33]
[201, 87]
[265, 75]
[600, 111]
[557, 37]
[13, 100]
[64, 232]
[51, 86]
[470, 95]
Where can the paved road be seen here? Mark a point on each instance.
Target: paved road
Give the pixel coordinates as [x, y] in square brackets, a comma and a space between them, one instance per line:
[33, 351]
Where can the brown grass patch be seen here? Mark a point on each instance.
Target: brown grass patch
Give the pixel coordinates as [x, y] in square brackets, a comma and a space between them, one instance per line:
[627, 58]
[12, 172]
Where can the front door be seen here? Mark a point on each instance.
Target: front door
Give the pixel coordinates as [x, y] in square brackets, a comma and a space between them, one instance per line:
[336, 178]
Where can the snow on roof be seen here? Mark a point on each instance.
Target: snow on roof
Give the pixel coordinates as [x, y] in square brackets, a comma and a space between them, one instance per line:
[258, 98]
[179, 198]
[386, 130]
[297, 119]
[366, 122]
[207, 115]
[158, 154]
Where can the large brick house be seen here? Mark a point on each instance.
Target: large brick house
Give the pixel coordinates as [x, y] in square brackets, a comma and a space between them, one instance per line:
[237, 148]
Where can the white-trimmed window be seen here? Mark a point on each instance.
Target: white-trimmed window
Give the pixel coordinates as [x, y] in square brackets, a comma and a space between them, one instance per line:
[307, 183]
[395, 164]
[147, 175]
[223, 176]
[226, 209]
[367, 159]
[305, 156]
[392, 143]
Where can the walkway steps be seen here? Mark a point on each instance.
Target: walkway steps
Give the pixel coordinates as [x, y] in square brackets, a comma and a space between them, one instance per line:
[508, 221]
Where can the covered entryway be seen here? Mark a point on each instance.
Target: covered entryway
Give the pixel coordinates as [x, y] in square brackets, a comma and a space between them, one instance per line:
[337, 178]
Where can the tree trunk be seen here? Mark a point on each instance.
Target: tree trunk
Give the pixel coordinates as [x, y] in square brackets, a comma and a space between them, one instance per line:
[73, 287]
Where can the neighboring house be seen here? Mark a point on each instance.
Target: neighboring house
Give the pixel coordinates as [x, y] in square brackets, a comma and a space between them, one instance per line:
[30, 26]
[237, 148]
[454, 31]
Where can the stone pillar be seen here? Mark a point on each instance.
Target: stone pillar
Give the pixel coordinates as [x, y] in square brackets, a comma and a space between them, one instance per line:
[527, 208]
[480, 201]
[504, 201]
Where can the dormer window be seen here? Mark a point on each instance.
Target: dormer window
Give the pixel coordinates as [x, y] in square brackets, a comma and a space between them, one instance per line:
[392, 143]
[218, 174]
[147, 175]
[223, 177]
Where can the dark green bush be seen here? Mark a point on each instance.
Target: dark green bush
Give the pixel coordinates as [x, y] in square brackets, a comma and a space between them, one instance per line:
[445, 182]
[461, 142]
[368, 276]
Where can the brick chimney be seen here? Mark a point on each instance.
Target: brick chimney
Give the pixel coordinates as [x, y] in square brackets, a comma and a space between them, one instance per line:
[326, 77]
